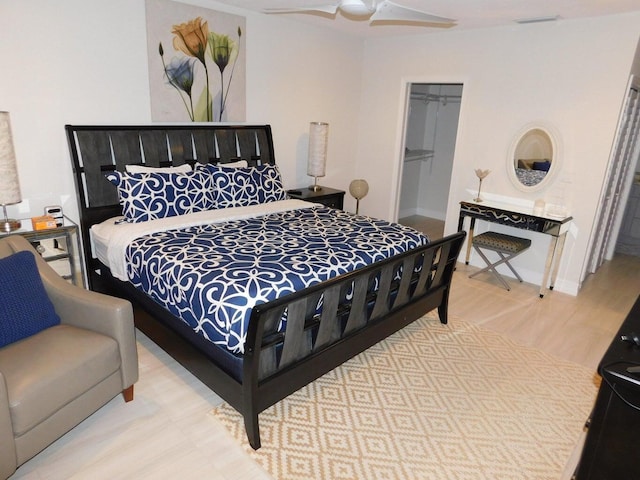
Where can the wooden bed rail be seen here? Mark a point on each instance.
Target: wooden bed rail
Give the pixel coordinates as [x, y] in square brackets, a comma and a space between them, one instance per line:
[353, 316]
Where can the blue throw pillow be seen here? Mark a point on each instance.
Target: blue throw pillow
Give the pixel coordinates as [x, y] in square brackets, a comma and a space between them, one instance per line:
[241, 187]
[150, 196]
[542, 166]
[25, 308]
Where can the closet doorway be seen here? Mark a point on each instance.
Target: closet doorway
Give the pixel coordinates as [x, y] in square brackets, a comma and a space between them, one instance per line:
[616, 223]
[431, 127]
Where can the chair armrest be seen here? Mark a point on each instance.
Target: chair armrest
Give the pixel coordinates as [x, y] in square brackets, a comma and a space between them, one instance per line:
[8, 460]
[95, 311]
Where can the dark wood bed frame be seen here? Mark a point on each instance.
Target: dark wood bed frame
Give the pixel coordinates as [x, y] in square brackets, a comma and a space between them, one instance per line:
[275, 364]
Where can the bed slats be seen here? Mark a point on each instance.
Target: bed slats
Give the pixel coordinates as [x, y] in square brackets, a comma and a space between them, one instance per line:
[329, 329]
[96, 154]
[156, 150]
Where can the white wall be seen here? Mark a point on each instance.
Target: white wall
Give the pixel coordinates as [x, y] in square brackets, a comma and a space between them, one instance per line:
[85, 62]
[572, 74]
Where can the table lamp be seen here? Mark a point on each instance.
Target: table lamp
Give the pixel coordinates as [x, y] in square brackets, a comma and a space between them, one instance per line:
[9, 185]
[358, 190]
[318, 138]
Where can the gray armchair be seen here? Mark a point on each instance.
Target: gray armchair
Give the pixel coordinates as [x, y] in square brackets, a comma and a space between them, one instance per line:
[53, 380]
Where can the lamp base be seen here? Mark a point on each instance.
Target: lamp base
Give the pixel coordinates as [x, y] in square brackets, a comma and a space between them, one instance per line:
[315, 188]
[9, 224]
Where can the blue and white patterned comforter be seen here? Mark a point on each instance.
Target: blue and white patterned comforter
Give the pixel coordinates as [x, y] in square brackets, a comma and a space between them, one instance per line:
[211, 275]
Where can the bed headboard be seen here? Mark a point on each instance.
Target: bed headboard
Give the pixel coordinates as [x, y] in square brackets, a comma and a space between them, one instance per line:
[97, 150]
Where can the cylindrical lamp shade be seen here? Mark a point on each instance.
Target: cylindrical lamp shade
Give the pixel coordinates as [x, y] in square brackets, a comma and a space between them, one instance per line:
[9, 185]
[358, 188]
[318, 140]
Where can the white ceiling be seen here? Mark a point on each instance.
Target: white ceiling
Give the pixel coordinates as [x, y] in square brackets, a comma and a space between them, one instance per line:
[468, 13]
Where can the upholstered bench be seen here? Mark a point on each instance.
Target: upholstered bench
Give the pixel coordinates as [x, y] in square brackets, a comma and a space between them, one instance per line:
[506, 246]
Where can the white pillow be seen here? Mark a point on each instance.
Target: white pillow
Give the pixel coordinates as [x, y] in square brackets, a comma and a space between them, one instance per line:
[238, 164]
[142, 169]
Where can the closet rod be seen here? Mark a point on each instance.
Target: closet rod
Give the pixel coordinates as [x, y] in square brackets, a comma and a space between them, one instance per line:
[432, 97]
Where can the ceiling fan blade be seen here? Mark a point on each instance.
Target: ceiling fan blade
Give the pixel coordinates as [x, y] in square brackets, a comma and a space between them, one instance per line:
[332, 9]
[389, 11]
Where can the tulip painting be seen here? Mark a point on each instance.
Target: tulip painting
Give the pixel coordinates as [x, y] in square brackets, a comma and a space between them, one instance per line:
[194, 40]
[200, 57]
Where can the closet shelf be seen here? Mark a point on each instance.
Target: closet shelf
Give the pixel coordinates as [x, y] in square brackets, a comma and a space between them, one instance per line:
[415, 155]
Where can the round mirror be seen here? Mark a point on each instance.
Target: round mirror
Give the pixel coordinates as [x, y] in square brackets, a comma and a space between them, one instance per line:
[533, 159]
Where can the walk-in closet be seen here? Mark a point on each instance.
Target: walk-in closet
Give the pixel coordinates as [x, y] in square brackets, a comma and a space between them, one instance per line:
[430, 138]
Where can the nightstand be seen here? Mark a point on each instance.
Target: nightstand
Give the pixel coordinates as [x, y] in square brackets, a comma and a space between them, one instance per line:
[59, 246]
[327, 196]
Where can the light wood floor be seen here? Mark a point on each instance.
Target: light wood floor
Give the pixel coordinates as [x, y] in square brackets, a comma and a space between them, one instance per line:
[578, 328]
[433, 227]
[168, 432]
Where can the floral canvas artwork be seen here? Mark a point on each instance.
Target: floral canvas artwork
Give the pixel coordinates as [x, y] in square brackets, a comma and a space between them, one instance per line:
[197, 68]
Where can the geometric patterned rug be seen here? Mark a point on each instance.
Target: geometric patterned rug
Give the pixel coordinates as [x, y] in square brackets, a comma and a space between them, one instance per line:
[430, 402]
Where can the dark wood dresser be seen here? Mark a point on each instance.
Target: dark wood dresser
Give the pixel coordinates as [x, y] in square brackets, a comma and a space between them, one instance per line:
[612, 446]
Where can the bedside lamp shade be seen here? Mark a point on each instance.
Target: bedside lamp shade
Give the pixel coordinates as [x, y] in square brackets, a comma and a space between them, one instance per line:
[358, 190]
[9, 185]
[318, 139]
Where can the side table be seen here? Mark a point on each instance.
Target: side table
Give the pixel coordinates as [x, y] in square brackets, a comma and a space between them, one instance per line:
[329, 197]
[66, 261]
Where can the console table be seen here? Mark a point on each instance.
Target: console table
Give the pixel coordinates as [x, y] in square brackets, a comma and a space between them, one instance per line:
[525, 219]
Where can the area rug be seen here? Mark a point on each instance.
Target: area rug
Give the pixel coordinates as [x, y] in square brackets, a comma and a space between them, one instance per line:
[430, 402]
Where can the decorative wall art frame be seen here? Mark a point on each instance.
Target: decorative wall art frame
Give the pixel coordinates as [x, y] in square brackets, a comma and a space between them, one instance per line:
[197, 63]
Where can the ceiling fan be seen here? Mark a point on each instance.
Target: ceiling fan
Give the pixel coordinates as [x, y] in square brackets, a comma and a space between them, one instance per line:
[384, 11]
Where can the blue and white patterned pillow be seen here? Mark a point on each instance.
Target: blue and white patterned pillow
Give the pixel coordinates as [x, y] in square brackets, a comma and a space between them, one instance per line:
[150, 196]
[240, 187]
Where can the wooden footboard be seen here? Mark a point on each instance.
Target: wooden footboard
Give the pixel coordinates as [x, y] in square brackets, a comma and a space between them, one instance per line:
[353, 317]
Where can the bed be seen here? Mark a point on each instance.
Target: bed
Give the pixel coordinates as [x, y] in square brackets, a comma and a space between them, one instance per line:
[295, 328]
[531, 172]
